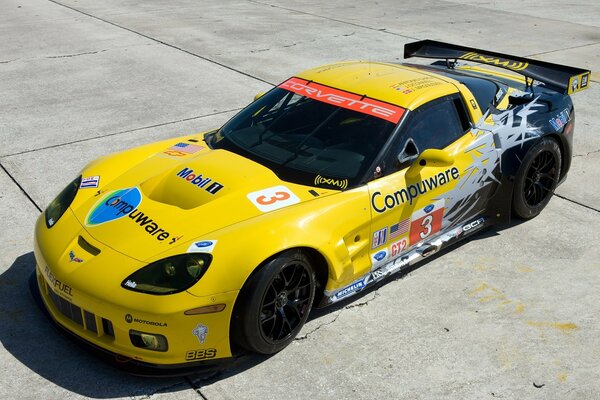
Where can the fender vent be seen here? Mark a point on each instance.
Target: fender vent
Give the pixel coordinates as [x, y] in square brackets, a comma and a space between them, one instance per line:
[87, 247]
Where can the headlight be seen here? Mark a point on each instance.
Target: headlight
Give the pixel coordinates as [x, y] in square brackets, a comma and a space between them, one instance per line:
[169, 275]
[60, 204]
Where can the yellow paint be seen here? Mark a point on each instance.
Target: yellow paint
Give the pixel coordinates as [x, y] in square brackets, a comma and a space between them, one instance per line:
[487, 299]
[562, 377]
[565, 327]
[519, 308]
[478, 289]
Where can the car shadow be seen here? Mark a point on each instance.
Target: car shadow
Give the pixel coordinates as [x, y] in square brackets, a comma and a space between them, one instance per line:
[38, 345]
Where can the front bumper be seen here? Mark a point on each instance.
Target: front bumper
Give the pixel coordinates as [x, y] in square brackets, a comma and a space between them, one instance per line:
[93, 308]
[127, 364]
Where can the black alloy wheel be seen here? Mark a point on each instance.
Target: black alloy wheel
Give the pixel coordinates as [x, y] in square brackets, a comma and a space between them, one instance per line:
[537, 178]
[541, 178]
[274, 303]
[286, 301]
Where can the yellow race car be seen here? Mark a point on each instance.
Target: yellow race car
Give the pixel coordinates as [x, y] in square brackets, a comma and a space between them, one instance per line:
[177, 253]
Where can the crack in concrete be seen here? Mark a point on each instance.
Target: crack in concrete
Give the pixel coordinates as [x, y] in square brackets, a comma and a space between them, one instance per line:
[349, 306]
[197, 388]
[9, 61]
[163, 43]
[118, 133]
[307, 334]
[20, 187]
[77, 54]
[586, 154]
[152, 393]
[576, 202]
[364, 303]
[384, 30]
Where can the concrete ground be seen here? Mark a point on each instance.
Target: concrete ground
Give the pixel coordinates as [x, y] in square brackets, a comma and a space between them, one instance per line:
[512, 314]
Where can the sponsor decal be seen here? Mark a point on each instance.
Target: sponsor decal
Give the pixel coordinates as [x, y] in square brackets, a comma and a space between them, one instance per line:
[411, 85]
[130, 283]
[584, 81]
[56, 284]
[201, 354]
[182, 149]
[74, 258]
[339, 183]
[381, 203]
[380, 255]
[379, 237]
[130, 319]
[499, 95]
[200, 181]
[400, 88]
[473, 104]
[124, 203]
[326, 94]
[426, 222]
[495, 61]
[473, 226]
[574, 84]
[204, 246]
[200, 331]
[90, 182]
[399, 246]
[560, 120]
[273, 198]
[352, 288]
[399, 229]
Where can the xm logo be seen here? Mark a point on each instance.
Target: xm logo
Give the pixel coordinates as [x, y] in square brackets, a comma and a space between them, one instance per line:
[340, 183]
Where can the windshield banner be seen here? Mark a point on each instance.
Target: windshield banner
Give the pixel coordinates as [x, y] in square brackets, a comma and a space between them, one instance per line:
[326, 94]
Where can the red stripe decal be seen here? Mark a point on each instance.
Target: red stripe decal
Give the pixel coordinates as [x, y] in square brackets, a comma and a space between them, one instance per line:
[379, 109]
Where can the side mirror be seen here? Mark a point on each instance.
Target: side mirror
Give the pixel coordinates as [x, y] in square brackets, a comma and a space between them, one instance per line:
[409, 152]
[429, 158]
[258, 95]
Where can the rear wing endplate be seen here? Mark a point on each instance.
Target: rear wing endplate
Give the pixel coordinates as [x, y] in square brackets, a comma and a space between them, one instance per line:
[561, 78]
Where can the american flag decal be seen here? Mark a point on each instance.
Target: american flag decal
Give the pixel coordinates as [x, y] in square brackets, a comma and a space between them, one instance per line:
[186, 148]
[399, 229]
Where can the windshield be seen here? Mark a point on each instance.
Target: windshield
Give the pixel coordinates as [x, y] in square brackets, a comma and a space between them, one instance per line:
[311, 134]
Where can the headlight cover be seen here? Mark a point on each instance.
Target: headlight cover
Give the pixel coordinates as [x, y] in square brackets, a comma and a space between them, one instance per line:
[169, 275]
[59, 205]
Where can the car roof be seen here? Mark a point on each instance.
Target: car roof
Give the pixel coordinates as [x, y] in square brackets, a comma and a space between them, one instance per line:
[398, 84]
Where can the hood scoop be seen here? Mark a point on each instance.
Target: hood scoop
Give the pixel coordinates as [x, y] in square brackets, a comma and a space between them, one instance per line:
[185, 186]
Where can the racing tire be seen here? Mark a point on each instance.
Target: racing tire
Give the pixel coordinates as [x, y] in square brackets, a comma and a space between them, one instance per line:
[274, 304]
[536, 179]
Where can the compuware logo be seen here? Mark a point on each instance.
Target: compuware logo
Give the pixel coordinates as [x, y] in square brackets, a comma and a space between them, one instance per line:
[114, 205]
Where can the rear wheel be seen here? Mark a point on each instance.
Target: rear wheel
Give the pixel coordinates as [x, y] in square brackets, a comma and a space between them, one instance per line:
[274, 304]
[537, 178]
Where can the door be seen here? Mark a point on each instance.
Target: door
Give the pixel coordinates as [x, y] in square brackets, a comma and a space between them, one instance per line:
[413, 203]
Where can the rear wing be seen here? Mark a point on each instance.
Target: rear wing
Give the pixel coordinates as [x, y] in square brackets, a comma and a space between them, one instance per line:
[561, 78]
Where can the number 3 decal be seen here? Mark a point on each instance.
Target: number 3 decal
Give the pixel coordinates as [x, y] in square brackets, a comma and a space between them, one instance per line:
[273, 198]
[426, 225]
[279, 196]
[426, 222]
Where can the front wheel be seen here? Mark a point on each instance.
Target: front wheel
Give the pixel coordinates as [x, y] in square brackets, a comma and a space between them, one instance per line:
[537, 178]
[274, 304]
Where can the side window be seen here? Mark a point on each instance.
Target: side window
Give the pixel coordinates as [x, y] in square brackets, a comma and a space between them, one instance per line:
[437, 124]
[432, 126]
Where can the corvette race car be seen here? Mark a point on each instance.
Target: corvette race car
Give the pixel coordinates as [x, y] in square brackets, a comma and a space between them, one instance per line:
[180, 252]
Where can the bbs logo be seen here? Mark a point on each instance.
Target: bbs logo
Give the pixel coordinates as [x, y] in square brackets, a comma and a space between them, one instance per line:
[341, 183]
[201, 354]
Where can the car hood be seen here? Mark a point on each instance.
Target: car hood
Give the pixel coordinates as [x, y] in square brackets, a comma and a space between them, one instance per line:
[162, 202]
